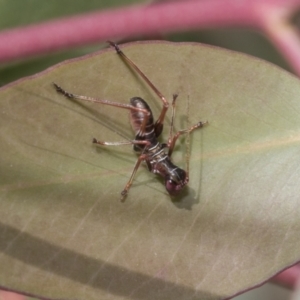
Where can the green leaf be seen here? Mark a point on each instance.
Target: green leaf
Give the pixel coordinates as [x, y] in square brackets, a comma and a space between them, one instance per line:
[64, 232]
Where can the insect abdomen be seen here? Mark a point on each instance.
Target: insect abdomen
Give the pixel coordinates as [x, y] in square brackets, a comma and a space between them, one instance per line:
[137, 117]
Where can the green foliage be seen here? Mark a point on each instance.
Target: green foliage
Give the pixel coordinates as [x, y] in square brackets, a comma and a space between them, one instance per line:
[64, 233]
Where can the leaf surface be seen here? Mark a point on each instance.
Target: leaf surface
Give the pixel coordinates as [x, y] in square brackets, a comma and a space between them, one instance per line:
[64, 233]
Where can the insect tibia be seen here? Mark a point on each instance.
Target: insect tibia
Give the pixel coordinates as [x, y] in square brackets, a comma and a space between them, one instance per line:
[123, 195]
[62, 91]
[174, 98]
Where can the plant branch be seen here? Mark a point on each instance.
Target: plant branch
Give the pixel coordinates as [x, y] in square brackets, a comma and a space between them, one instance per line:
[278, 28]
[268, 16]
[289, 278]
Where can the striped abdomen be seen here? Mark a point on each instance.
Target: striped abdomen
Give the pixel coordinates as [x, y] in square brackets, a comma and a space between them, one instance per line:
[136, 120]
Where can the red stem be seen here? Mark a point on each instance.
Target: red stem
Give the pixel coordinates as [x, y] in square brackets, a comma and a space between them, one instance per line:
[288, 278]
[134, 21]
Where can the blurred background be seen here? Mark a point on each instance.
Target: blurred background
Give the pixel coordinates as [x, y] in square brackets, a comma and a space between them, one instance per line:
[19, 13]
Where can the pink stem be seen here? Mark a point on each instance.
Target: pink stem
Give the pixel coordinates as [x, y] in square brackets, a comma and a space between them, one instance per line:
[289, 278]
[5, 295]
[269, 16]
[129, 22]
[286, 39]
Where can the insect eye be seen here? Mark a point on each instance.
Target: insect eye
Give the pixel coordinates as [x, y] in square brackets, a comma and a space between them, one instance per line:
[175, 182]
[172, 187]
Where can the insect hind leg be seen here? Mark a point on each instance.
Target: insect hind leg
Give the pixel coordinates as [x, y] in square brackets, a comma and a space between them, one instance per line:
[158, 127]
[69, 95]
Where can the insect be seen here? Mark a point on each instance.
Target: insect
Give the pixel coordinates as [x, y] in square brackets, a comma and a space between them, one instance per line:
[156, 155]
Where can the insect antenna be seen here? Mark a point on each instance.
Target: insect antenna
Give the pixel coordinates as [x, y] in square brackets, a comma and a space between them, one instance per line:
[172, 118]
[188, 140]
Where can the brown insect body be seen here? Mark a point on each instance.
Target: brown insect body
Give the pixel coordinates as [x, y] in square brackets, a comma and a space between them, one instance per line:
[146, 144]
[156, 158]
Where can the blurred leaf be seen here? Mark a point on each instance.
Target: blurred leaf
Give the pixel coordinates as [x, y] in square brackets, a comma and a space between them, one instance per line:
[64, 233]
[243, 40]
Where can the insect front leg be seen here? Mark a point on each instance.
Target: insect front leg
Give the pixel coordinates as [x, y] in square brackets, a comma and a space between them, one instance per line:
[129, 183]
[137, 164]
[140, 159]
[172, 141]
